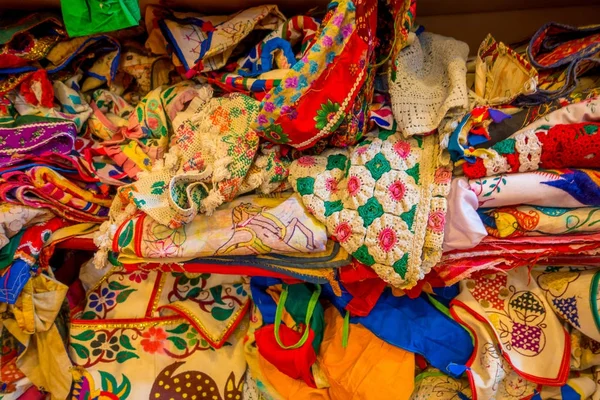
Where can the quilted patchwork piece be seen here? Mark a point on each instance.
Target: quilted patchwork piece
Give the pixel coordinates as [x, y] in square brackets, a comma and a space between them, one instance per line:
[383, 200]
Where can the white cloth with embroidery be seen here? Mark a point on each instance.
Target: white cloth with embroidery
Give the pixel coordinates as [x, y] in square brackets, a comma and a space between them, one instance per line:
[430, 83]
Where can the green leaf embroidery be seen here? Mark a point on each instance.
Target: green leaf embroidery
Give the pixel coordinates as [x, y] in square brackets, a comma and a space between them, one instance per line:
[88, 315]
[114, 285]
[125, 342]
[221, 314]
[123, 356]
[127, 235]
[216, 293]
[158, 188]
[121, 297]
[85, 335]
[193, 293]
[178, 342]
[140, 114]
[82, 351]
[179, 329]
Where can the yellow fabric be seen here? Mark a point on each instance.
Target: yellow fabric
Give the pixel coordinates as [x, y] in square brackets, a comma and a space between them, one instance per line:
[368, 368]
[72, 231]
[45, 361]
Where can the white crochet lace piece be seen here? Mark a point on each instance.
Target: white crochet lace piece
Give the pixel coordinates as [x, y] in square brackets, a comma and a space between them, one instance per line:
[430, 82]
[529, 148]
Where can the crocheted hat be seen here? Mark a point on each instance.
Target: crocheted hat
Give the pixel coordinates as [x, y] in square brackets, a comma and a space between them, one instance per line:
[383, 200]
[429, 83]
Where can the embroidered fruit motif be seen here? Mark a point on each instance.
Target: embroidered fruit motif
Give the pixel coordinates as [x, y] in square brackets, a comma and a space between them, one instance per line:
[192, 385]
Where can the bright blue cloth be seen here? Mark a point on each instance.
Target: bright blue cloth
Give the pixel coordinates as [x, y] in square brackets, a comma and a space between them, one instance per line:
[417, 326]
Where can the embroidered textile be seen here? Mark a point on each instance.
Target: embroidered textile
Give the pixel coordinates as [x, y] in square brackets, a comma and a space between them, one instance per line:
[519, 317]
[565, 188]
[383, 200]
[249, 225]
[508, 222]
[558, 146]
[328, 91]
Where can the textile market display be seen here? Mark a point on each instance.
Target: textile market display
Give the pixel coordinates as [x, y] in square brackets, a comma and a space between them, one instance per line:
[323, 204]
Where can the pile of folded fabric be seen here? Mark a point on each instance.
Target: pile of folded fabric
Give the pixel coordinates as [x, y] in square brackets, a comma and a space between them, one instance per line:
[336, 204]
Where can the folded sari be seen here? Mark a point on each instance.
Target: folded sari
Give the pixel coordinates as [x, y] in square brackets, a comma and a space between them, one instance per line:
[249, 225]
[509, 222]
[318, 267]
[564, 188]
[494, 254]
[43, 187]
[560, 146]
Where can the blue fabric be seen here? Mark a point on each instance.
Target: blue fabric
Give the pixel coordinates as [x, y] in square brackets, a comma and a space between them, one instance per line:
[445, 294]
[266, 57]
[474, 140]
[13, 281]
[455, 149]
[568, 393]
[417, 326]
[265, 303]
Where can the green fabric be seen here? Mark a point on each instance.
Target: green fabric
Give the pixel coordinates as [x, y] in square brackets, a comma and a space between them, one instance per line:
[88, 17]
[305, 308]
[7, 253]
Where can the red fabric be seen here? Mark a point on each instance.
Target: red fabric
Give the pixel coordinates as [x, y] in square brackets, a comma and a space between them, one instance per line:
[573, 145]
[563, 146]
[39, 77]
[431, 280]
[295, 363]
[364, 285]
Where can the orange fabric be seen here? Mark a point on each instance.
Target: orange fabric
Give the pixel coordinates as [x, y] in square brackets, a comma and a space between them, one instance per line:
[367, 369]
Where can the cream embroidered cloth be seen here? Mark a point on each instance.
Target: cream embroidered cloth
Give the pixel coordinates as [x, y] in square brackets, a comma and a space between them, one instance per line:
[383, 200]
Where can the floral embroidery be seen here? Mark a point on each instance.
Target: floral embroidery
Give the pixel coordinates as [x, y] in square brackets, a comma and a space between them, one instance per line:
[153, 340]
[100, 345]
[436, 222]
[327, 112]
[105, 298]
[387, 239]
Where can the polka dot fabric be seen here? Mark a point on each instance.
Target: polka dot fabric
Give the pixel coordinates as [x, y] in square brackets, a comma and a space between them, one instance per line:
[383, 200]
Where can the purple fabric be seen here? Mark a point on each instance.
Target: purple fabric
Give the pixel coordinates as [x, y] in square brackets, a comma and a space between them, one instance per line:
[29, 137]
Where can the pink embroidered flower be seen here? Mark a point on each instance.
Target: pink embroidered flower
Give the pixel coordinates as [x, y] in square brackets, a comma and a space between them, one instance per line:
[152, 123]
[138, 276]
[402, 148]
[436, 221]
[279, 170]
[304, 59]
[442, 176]
[307, 161]
[262, 119]
[153, 340]
[346, 30]
[269, 107]
[397, 190]
[387, 239]
[327, 41]
[362, 150]
[291, 82]
[338, 19]
[343, 232]
[331, 185]
[353, 185]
